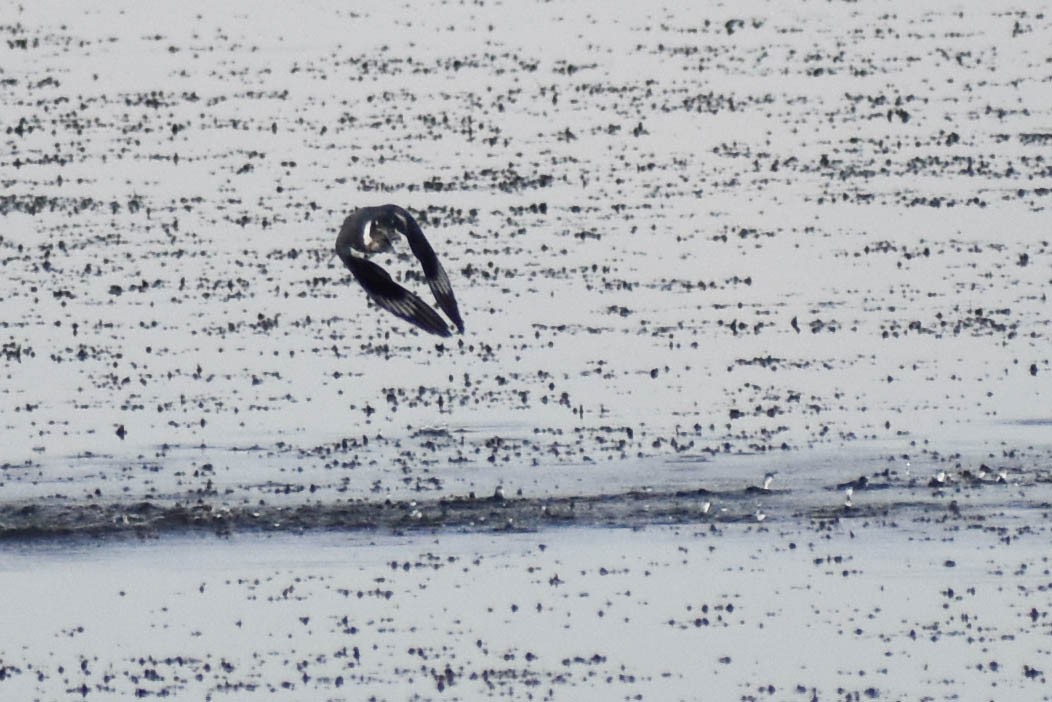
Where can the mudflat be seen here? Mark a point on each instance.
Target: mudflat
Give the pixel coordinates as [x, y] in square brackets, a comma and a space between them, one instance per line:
[753, 398]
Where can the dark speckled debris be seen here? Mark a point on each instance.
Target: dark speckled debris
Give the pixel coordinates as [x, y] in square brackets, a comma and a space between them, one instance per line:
[700, 244]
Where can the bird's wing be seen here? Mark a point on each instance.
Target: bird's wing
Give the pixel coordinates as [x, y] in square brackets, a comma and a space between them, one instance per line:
[433, 271]
[392, 297]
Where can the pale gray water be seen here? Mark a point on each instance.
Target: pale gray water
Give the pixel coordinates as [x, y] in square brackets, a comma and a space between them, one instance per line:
[816, 236]
[692, 244]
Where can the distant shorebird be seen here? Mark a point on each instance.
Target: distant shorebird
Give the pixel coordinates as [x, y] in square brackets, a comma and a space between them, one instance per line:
[373, 230]
[940, 479]
[766, 487]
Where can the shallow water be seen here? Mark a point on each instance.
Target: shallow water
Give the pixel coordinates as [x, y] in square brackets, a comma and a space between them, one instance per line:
[691, 245]
[735, 612]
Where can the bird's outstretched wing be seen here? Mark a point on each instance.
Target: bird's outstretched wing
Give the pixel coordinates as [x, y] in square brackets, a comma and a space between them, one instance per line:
[433, 271]
[391, 296]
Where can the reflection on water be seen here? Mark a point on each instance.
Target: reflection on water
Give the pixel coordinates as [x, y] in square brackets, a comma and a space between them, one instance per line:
[687, 252]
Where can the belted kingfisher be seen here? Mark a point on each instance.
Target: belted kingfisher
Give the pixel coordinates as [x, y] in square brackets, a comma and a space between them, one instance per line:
[373, 230]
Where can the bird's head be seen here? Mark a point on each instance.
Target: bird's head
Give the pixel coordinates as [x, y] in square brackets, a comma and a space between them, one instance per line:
[379, 236]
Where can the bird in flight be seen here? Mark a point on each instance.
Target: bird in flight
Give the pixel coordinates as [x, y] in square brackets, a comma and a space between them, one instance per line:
[373, 230]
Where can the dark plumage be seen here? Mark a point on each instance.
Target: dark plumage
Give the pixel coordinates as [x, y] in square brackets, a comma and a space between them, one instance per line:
[372, 230]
